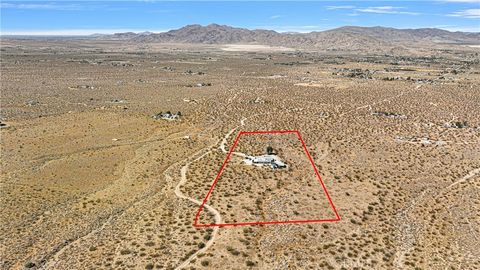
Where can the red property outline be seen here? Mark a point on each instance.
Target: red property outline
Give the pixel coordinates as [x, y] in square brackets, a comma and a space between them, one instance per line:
[195, 224]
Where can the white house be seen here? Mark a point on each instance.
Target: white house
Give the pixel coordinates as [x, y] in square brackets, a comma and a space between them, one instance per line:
[167, 116]
[266, 160]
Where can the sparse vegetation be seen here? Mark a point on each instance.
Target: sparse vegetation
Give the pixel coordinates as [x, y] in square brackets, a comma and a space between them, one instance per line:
[90, 179]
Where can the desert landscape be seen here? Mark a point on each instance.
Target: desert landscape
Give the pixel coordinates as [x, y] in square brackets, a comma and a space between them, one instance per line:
[110, 144]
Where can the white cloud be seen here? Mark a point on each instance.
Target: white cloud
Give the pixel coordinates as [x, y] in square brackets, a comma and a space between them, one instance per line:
[386, 10]
[275, 17]
[339, 7]
[473, 13]
[353, 14]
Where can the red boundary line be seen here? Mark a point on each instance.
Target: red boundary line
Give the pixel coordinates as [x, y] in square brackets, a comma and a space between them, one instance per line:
[195, 224]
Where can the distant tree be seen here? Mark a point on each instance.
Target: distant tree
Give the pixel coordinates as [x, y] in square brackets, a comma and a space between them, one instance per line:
[179, 113]
[463, 124]
[269, 150]
[168, 112]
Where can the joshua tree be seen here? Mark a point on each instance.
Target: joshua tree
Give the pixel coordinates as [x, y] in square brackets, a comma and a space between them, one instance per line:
[270, 150]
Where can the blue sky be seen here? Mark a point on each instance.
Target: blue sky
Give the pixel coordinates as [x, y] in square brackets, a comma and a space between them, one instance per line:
[87, 17]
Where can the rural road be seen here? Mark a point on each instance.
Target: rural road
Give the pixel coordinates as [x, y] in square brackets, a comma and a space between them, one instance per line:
[51, 260]
[470, 174]
[179, 194]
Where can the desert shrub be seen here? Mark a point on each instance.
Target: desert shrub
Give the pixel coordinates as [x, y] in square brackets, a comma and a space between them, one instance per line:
[233, 251]
[125, 252]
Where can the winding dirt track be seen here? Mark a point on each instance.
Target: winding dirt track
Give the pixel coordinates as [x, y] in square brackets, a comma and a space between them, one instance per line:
[53, 259]
[179, 194]
[406, 229]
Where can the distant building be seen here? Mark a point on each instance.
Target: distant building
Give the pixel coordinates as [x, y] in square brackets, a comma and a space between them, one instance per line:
[266, 160]
[168, 116]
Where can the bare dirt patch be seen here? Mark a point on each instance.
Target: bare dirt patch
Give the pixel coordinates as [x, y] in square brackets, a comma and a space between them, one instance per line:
[254, 48]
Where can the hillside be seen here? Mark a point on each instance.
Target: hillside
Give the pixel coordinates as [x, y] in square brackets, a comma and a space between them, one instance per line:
[343, 38]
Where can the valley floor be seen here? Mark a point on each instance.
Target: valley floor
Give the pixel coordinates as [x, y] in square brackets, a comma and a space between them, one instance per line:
[90, 180]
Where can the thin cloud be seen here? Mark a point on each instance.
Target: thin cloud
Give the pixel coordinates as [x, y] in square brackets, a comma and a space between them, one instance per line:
[275, 17]
[41, 6]
[386, 10]
[339, 7]
[54, 6]
[473, 13]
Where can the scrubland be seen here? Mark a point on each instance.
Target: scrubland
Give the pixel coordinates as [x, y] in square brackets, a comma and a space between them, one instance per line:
[89, 180]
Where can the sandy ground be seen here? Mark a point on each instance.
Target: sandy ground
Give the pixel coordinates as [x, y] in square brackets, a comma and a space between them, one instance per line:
[90, 180]
[254, 48]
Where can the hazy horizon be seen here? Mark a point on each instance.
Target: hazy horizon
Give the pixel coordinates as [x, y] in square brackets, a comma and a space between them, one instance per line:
[90, 32]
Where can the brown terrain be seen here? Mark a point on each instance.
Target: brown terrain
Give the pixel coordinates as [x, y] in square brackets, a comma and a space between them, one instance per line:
[293, 193]
[91, 180]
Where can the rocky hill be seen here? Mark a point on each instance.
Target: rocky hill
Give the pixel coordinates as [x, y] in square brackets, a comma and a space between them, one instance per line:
[343, 38]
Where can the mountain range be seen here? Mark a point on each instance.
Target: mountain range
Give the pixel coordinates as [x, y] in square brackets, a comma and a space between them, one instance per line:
[343, 38]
